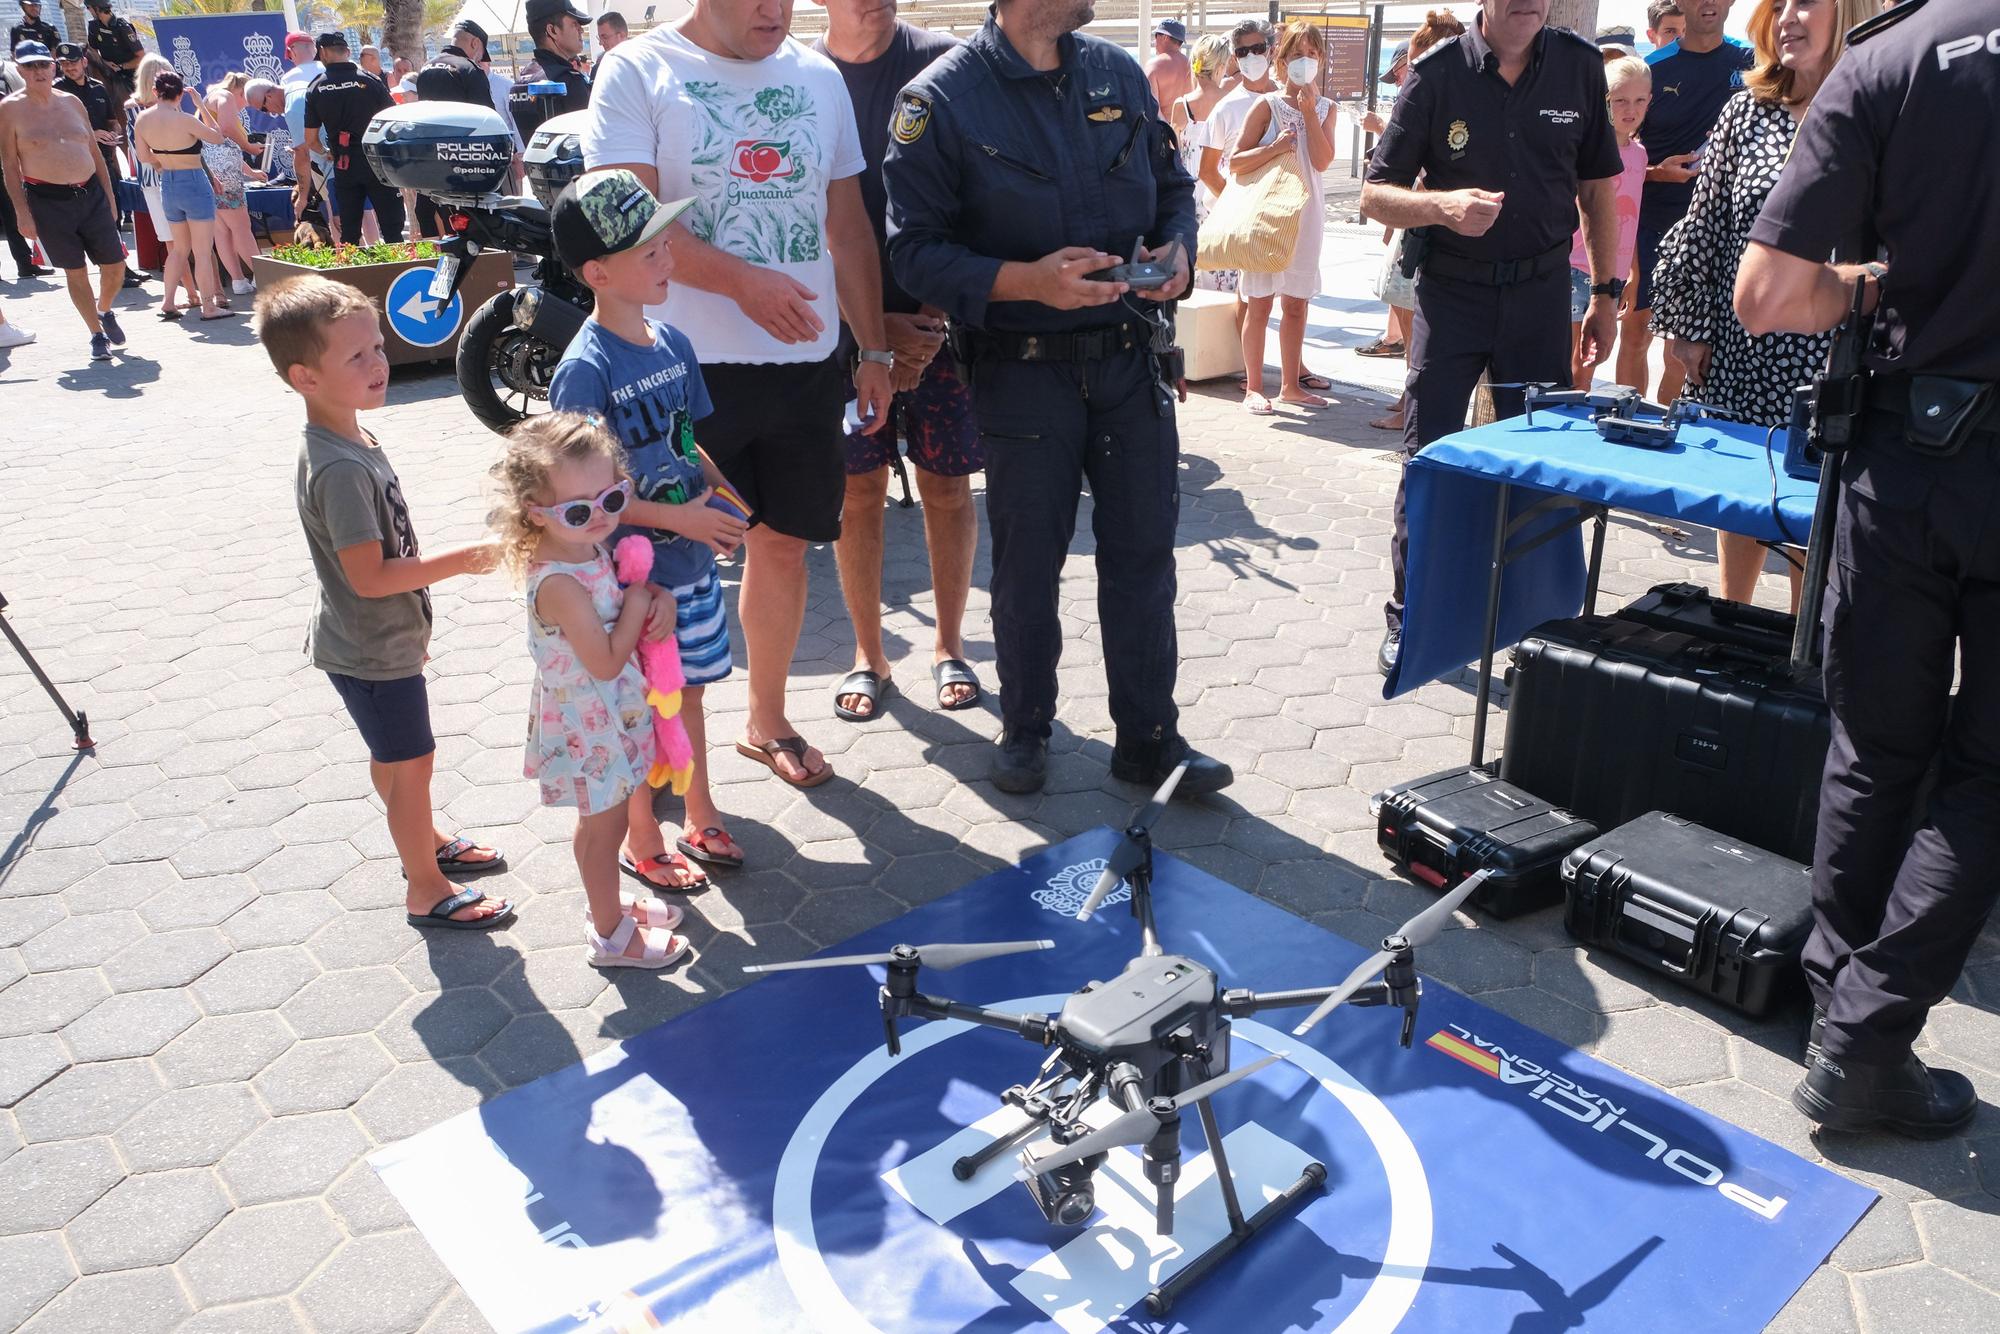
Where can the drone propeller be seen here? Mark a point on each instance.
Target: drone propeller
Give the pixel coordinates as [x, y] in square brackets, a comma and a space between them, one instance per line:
[1419, 930]
[940, 957]
[1141, 1124]
[1129, 854]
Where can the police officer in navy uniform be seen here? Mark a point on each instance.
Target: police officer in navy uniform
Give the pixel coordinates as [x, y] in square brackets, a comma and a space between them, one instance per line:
[454, 76]
[1020, 164]
[1915, 575]
[72, 61]
[339, 105]
[1507, 126]
[32, 28]
[556, 28]
[116, 42]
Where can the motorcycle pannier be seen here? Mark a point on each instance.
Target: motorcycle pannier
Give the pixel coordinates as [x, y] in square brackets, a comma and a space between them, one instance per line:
[455, 152]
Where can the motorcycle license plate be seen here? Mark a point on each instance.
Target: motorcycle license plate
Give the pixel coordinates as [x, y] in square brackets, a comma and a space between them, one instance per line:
[441, 279]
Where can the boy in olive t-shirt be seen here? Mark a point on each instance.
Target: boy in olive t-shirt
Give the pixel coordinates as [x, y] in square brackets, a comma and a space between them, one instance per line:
[371, 623]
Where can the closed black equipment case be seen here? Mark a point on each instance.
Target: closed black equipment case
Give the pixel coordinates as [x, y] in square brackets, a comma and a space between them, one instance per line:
[1725, 918]
[1610, 718]
[1444, 827]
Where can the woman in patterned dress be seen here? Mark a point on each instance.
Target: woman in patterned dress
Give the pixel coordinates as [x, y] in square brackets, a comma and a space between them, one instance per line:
[234, 241]
[1209, 59]
[1747, 378]
[1298, 121]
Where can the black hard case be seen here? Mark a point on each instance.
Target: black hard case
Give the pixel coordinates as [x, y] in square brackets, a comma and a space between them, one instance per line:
[1693, 610]
[1445, 826]
[1727, 919]
[1610, 718]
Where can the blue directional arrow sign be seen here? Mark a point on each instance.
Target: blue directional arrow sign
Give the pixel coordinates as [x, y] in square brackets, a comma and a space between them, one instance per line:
[417, 317]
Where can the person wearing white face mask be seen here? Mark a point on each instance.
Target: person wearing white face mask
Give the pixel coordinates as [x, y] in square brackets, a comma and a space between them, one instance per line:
[1295, 121]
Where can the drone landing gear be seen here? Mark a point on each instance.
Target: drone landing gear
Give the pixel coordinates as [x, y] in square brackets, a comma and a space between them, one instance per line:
[1161, 1299]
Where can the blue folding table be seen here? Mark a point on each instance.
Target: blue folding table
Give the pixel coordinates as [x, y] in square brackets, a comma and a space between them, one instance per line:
[1518, 492]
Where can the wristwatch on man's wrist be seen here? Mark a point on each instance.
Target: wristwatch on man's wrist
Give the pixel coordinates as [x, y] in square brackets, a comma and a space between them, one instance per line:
[1611, 287]
[887, 359]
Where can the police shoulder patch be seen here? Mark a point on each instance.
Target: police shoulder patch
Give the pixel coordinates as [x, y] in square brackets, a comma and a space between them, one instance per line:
[913, 117]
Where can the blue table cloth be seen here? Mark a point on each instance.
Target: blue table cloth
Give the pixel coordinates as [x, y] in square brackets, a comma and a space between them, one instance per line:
[1717, 475]
[269, 205]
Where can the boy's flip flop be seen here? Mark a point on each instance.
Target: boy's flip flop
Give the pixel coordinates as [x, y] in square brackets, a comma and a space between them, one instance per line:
[695, 846]
[451, 859]
[871, 686]
[440, 918]
[955, 672]
[646, 868]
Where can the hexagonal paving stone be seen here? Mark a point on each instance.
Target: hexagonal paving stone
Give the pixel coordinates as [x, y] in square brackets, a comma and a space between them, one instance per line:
[33, 1269]
[1923, 1297]
[258, 979]
[81, 826]
[138, 1301]
[27, 1062]
[170, 959]
[1662, 1046]
[21, 920]
[136, 1023]
[225, 852]
[1588, 982]
[265, 1317]
[442, 1024]
[322, 1075]
[261, 1252]
[305, 866]
[358, 939]
[188, 1127]
[280, 919]
[355, 1001]
[258, 808]
[293, 1156]
[363, 1204]
[224, 1047]
[147, 1220]
[43, 1186]
[82, 942]
[43, 1001]
[206, 902]
[87, 1100]
[376, 1285]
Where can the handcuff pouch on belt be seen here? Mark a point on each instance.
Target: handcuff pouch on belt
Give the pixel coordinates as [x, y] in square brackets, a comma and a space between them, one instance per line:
[1416, 244]
[1944, 411]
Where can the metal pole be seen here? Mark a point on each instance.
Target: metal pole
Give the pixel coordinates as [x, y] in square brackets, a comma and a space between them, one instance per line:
[1484, 694]
[79, 724]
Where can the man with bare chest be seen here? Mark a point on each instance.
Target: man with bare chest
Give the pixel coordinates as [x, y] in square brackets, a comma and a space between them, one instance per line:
[61, 190]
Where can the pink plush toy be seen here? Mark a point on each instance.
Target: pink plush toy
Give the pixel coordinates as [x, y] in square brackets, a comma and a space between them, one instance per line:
[661, 664]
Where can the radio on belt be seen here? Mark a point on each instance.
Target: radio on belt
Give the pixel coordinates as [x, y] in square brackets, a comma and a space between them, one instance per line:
[454, 152]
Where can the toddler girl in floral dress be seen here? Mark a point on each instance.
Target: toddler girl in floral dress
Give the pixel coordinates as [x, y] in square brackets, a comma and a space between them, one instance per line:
[590, 735]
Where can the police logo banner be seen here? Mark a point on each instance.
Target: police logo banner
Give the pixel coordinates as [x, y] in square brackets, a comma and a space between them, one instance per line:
[762, 1163]
[206, 48]
[913, 116]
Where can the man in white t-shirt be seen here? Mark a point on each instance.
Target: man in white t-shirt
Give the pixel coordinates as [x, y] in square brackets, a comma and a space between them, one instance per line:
[305, 66]
[776, 250]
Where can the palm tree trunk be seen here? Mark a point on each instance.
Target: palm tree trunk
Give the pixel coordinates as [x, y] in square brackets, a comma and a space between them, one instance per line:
[75, 20]
[403, 29]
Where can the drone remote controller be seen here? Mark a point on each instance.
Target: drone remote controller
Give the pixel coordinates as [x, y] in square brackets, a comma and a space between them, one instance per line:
[1142, 275]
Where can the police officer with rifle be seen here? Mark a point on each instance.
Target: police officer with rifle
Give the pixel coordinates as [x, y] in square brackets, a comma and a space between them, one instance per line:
[1023, 169]
[1915, 579]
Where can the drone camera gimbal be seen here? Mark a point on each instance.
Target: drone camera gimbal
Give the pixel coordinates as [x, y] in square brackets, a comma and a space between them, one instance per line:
[1121, 1053]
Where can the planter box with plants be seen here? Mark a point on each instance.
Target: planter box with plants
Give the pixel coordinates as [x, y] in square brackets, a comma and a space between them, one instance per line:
[397, 275]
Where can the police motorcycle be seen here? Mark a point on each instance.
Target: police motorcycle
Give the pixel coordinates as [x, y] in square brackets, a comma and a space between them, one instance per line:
[458, 154]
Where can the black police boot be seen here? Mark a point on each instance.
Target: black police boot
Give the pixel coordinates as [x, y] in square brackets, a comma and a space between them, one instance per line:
[1023, 765]
[1148, 762]
[1391, 650]
[1815, 1036]
[1908, 1097]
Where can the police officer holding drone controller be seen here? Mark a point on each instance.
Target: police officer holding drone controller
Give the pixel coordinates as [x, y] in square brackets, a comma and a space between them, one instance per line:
[1915, 578]
[1025, 170]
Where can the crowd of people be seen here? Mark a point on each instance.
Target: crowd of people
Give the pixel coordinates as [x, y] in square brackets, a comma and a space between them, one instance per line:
[801, 257]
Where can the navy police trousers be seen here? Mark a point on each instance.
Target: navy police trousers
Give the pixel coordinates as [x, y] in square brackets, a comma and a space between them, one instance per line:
[1049, 427]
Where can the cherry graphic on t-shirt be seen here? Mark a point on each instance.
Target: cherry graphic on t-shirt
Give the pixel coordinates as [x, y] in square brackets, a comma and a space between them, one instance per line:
[761, 159]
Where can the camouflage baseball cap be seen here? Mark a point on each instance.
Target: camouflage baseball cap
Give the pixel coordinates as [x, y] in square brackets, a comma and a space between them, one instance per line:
[604, 212]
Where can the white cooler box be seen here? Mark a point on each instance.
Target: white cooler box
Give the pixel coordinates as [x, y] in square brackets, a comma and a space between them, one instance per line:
[1205, 329]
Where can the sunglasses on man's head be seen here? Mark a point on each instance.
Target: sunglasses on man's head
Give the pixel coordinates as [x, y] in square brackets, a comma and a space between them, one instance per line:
[1256, 50]
[577, 514]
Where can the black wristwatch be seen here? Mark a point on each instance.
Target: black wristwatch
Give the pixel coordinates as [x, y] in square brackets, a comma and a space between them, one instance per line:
[1613, 288]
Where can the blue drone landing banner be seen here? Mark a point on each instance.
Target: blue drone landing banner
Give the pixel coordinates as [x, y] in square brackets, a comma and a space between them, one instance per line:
[762, 1163]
